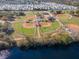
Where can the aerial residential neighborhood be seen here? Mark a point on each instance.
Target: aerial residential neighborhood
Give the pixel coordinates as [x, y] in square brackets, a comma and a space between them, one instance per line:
[32, 6]
[35, 24]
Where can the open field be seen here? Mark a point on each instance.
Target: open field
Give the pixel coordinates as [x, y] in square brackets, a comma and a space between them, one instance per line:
[64, 18]
[53, 27]
[67, 20]
[73, 27]
[19, 29]
[71, 22]
[18, 26]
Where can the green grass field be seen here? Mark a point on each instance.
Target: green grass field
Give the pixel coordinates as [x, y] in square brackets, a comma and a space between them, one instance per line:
[53, 27]
[66, 20]
[29, 13]
[73, 20]
[19, 28]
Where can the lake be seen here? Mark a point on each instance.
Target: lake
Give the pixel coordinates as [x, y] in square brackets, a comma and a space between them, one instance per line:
[55, 52]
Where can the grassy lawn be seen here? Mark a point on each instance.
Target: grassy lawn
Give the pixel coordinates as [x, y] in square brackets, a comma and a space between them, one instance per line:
[73, 20]
[19, 29]
[66, 20]
[28, 14]
[53, 27]
[21, 18]
[63, 16]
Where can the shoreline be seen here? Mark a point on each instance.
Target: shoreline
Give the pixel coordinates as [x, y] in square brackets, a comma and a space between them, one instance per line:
[57, 45]
[25, 44]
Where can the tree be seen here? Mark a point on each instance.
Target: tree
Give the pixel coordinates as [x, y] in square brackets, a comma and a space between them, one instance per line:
[59, 12]
[77, 12]
[21, 14]
[72, 12]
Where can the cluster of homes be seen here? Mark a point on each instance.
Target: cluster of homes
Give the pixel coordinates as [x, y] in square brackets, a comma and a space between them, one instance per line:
[39, 6]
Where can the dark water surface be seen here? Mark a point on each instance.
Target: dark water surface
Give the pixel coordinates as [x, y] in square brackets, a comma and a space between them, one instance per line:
[69, 52]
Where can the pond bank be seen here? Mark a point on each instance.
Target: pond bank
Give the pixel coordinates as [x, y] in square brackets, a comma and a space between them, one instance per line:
[26, 42]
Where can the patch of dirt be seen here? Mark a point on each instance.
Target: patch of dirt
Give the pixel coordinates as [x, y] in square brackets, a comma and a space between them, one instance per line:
[30, 17]
[73, 27]
[64, 16]
[31, 25]
[28, 25]
[45, 24]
